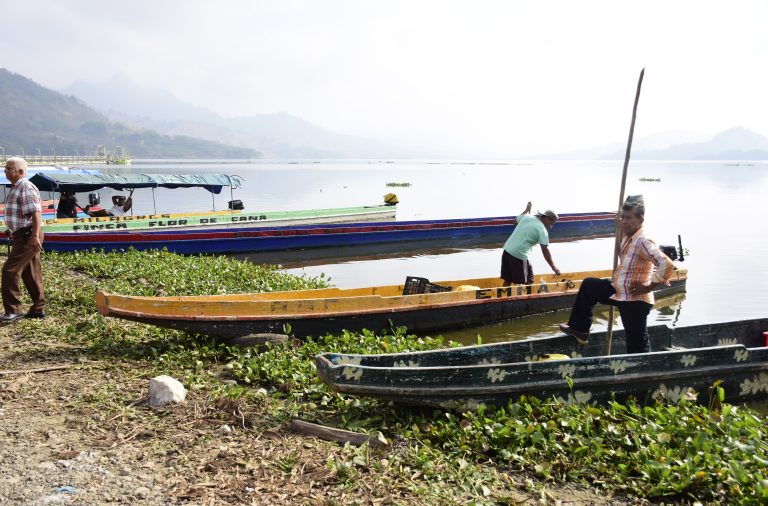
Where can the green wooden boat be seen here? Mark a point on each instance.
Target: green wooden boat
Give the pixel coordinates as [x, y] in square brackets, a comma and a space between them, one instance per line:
[686, 363]
[214, 183]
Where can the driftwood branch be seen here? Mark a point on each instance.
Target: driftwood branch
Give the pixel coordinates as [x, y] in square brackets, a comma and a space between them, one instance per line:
[332, 434]
[41, 369]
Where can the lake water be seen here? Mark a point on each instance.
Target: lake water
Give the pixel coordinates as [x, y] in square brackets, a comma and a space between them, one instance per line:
[715, 206]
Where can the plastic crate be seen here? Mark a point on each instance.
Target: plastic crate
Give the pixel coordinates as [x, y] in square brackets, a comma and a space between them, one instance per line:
[414, 285]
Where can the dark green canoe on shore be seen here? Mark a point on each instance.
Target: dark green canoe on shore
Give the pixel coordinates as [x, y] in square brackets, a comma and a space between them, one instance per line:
[686, 362]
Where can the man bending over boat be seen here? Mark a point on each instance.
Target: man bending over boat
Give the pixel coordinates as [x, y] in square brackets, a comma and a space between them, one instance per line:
[530, 230]
[642, 266]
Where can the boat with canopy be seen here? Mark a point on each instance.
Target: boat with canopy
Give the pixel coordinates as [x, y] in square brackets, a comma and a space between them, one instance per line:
[235, 216]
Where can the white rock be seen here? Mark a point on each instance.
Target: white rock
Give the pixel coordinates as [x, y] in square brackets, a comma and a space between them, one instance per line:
[46, 466]
[164, 389]
[224, 430]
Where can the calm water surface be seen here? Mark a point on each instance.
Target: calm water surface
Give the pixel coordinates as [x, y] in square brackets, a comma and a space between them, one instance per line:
[715, 206]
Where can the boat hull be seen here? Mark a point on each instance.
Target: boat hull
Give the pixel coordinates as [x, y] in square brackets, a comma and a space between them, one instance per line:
[101, 227]
[265, 239]
[231, 317]
[685, 364]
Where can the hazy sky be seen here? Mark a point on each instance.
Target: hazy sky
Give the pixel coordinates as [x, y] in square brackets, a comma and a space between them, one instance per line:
[493, 77]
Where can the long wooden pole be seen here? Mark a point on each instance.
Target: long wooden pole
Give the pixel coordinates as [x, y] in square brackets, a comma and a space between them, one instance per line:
[617, 242]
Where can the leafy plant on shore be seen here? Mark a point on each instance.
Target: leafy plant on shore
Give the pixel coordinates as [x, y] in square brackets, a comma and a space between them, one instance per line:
[72, 280]
[678, 452]
[664, 452]
[162, 273]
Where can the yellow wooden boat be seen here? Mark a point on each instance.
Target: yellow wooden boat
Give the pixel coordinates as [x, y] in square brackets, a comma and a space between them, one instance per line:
[447, 304]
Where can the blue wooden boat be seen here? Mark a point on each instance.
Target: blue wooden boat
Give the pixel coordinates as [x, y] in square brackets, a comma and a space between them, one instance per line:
[264, 238]
[686, 362]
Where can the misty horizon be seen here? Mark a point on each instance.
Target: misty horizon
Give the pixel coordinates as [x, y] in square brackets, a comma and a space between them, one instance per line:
[494, 79]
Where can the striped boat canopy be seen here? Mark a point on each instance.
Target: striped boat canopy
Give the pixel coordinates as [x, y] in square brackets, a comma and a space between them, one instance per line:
[89, 182]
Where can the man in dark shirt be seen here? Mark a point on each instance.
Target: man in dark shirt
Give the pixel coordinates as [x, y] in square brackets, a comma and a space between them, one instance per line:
[68, 205]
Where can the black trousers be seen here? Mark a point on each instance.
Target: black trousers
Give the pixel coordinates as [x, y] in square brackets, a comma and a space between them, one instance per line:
[634, 314]
[514, 270]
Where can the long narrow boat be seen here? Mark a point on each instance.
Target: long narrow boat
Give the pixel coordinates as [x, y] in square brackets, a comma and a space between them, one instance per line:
[262, 238]
[418, 304]
[100, 228]
[685, 363]
[219, 220]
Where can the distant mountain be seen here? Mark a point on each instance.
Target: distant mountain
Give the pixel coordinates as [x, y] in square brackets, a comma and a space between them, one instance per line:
[733, 144]
[276, 135]
[35, 118]
[282, 135]
[120, 95]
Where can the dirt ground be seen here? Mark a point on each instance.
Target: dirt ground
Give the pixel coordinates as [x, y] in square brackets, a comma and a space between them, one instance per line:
[57, 447]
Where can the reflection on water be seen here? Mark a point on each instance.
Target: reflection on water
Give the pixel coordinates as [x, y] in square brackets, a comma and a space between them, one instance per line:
[666, 311]
[330, 257]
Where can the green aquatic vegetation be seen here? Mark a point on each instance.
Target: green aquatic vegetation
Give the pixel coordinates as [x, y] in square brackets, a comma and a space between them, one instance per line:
[292, 368]
[72, 280]
[666, 451]
[162, 273]
[670, 453]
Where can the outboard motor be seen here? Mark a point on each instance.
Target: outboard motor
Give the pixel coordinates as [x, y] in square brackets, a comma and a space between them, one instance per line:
[94, 199]
[675, 253]
[235, 205]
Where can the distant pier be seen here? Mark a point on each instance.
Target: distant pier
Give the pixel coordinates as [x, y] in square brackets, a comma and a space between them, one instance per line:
[70, 160]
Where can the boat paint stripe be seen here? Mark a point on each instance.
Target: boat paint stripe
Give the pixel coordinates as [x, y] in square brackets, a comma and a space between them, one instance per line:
[118, 237]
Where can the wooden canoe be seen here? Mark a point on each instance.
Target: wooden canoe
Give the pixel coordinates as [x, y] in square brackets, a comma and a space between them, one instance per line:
[685, 363]
[331, 310]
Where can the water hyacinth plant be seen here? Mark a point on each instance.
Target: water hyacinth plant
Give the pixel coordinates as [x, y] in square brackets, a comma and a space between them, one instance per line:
[665, 452]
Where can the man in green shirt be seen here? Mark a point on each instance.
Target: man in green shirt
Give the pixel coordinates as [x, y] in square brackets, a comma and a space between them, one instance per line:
[530, 230]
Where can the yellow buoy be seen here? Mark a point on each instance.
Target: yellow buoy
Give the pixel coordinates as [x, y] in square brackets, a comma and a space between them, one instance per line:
[391, 199]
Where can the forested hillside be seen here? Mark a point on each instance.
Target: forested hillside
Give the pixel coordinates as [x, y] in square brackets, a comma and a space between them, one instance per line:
[35, 118]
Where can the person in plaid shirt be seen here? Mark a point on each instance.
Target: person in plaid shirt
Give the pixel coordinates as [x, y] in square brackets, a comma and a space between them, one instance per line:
[642, 266]
[23, 217]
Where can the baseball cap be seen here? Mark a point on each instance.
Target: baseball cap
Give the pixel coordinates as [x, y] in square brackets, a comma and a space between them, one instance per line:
[549, 213]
